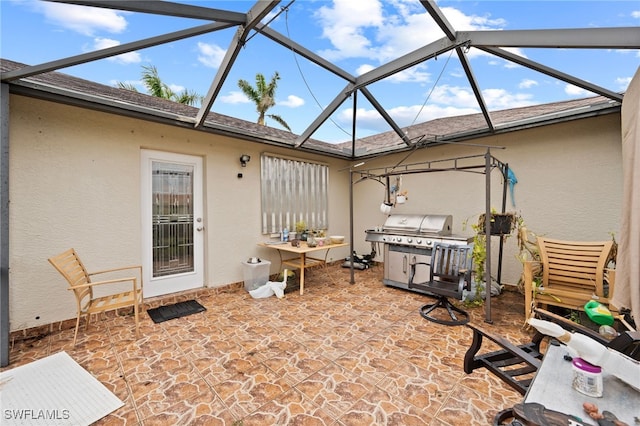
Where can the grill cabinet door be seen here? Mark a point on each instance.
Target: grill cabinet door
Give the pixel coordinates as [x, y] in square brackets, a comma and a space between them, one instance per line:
[398, 260]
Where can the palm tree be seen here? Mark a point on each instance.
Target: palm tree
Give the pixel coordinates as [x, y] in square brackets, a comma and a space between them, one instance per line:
[155, 87]
[263, 95]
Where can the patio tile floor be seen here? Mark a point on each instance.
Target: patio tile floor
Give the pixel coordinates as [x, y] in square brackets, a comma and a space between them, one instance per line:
[341, 354]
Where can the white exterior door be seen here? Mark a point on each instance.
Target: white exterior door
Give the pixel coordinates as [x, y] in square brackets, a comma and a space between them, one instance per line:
[172, 220]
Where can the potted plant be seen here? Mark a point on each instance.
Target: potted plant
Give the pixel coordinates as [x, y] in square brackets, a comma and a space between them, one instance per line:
[301, 230]
[501, 223]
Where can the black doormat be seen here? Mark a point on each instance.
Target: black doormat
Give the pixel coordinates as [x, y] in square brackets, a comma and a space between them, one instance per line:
[177, 310]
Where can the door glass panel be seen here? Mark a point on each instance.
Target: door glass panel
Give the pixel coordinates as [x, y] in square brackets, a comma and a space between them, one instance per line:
[172, 192]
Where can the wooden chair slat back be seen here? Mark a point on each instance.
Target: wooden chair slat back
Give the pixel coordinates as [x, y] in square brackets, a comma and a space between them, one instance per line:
[71, 268]
[449, 262]
[574, 263]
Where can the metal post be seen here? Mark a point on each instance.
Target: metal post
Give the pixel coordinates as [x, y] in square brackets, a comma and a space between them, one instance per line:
[4, 225]
[504, 210]
[353, 279]
[353, 156]
[487, 233]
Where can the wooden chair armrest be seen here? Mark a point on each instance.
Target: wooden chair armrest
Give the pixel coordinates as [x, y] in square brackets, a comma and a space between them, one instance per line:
[527, 276]
[610, 277]
[134, 280]
[123, 268]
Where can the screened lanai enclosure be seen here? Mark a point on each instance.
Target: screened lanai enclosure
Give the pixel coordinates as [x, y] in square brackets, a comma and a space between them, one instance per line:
[439, 43]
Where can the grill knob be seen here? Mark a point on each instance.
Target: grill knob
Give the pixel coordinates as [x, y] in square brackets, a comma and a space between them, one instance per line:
[419, 241]
[409, 240]
[429, 242]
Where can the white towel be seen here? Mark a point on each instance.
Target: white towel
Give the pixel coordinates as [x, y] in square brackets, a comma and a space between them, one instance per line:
[271, 288]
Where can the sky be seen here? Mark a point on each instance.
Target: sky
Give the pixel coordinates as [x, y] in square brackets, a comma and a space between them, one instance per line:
[356, 35]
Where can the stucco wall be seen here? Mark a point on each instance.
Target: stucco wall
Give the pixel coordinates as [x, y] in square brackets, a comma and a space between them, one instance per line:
[569, 185]
[75, 182]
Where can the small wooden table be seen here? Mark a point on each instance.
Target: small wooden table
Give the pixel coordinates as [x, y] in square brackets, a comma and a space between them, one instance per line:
[302, 261]
[552, 389]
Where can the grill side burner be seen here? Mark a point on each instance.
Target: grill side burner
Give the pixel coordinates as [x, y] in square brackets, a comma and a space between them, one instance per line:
[409, 239]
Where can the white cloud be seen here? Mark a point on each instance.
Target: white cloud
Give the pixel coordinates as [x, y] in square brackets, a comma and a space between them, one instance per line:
[292, 102]
[402, 115]
[572, 90]
[374, 30]
[235, 97]
[623, 83]
[345, 24]
[503, 99]
[411, 75]
[211, 55]
[453, 96]
[445, 101]
[82, 19]
[635, 14]
[462, 97]
[364, 68]
[527, 83]
[494, 60]
[176, 88]
[125, 58]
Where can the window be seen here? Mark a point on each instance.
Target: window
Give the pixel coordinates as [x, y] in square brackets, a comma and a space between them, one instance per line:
[293, 191]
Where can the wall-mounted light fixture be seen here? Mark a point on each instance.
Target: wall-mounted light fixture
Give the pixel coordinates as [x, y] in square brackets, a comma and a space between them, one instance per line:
[244, 159]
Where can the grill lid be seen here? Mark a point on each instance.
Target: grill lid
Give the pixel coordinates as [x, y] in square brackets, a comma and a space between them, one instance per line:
[419, 223]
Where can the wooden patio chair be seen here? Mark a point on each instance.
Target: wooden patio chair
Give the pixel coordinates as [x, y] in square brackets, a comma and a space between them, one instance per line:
[573, 273]
[69, 265]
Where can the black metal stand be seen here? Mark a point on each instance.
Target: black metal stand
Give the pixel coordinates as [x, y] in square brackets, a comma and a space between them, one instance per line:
[489, 163]
[443, 303]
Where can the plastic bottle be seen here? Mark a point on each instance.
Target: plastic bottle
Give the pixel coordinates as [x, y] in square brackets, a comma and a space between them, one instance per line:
[285, 234]
[587, 378]
[613, 362]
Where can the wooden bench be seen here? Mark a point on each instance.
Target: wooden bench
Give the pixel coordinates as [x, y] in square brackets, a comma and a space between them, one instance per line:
[573, 273]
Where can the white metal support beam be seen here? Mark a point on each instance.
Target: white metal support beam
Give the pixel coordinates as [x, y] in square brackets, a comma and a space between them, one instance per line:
[326, 113]
[166, 8]
[573, 38]
[111, 51]
[475, 87]
[450, 32]
[257, 12]
[385, 115]
[553, 73]
[439, 18]
[304, 52]
[420, 55]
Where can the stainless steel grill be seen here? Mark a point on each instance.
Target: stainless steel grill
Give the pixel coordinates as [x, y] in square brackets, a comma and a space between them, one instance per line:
[409, 238]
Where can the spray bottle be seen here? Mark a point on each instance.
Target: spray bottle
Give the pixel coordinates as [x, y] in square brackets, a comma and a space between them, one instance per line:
[611, 361]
